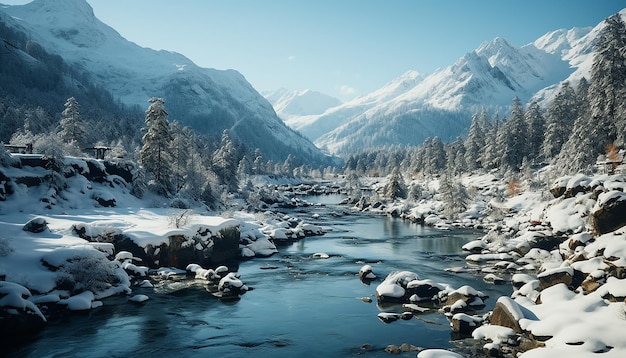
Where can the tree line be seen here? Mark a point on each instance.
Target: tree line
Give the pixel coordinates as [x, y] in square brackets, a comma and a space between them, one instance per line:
[582, 122]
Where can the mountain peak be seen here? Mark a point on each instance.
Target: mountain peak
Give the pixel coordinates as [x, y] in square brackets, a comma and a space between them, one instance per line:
[288, 104]
[495, 46]
[71, 21]
[74, 7]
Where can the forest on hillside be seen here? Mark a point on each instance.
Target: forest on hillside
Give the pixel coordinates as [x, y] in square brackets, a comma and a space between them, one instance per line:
[583, 125]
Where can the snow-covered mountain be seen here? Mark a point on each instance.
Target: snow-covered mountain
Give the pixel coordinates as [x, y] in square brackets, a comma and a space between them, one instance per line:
[416, 106]
[289, 104]
[208, 100]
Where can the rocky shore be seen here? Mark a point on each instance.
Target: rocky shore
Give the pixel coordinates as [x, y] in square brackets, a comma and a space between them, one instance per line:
[563, 251]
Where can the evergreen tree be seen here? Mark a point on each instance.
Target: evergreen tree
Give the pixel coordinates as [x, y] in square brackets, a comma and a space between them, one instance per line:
[607, 93]
[577, 154]
[512, 138]
[475, 142]
[560, 118]
[73, 129]
[455, 157]
[244, 168]
[601, 107]
[536, 129]
[155, 154]
[225, 161]
[353, 183]
[435, 156]
[454, 196]
[288, 165]
[180, 151]
[395, 188]
[491, 154]
[258, 166]
[415, 192]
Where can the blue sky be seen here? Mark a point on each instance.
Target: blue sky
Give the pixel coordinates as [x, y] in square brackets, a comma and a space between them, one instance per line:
[343, 48]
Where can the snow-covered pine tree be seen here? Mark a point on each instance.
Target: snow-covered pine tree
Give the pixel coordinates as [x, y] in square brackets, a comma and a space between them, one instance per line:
[155, 156]
[560, 118]
[512, 138]
[577, 154]
[536, 129]
[475, 142]
[491, 154]
[607, 93]
[435, 156]
[73, 129]
[244, 168]
[455, 157]
[453, 194]
[258, 165]
[225, 161]
[396, 188]
[288, 165]
[180, 154]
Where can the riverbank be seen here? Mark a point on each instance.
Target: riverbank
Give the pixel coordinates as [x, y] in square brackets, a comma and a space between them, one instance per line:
[305, 299]
[562, 247]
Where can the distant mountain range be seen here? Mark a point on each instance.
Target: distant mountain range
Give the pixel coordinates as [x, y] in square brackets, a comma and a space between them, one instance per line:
[208, 100]
[416, 106]
[406, 111]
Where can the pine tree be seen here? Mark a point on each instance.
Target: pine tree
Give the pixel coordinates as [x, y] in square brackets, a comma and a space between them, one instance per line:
[244, 168]
[288, 165]
[512, 138]
[536, 129]
[577, 154]
[601, 105]
[560, 118]
[455, 157]
[475, 142]
[155, 154]
[258, 166]
[454, 195]
[225, 161]
[180, 151]
[435, 156]
[491, 154]
[396, 188]
[73, 130]
[607, 93]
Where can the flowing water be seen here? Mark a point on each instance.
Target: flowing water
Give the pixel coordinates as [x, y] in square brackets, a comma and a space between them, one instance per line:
[299, 305]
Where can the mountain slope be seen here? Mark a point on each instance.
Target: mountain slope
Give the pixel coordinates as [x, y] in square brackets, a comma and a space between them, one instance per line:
[442, 103]
[313, 126]
[288, 104]
[208, 100]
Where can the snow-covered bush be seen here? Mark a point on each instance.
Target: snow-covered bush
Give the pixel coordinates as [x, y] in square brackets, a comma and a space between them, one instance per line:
[83, 269]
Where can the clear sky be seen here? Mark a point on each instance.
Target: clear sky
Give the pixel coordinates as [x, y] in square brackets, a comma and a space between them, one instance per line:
[343, 48]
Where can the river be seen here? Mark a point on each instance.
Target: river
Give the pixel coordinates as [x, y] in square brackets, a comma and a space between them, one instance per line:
[299, 305]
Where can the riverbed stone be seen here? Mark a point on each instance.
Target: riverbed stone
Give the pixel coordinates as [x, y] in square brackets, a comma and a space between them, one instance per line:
[463, 323]
[36, 225]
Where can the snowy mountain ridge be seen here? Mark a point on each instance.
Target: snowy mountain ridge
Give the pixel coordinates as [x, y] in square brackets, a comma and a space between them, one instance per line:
[488, 77]
[207, 100]
[288, 104]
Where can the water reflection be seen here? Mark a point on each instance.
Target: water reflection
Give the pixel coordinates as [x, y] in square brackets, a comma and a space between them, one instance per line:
[299, 305]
